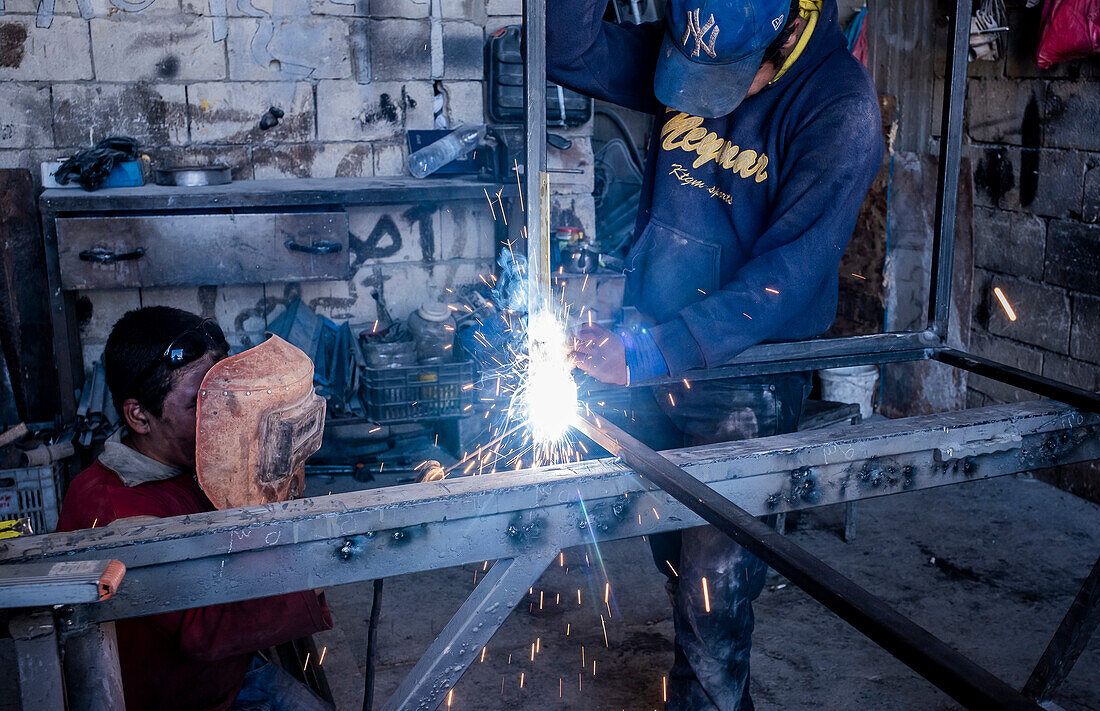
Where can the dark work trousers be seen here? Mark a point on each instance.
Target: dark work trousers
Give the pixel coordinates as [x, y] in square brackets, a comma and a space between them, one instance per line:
[711, 667]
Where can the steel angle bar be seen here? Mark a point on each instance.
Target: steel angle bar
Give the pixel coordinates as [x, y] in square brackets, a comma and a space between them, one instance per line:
[957, 676]
[237, 554]
[38, 656]
[947, 184]
[1069, 640]
[769, 358]
[1037, 384]
[471, 628]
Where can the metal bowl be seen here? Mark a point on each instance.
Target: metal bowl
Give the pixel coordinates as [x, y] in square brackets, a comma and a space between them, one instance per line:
[194, 176]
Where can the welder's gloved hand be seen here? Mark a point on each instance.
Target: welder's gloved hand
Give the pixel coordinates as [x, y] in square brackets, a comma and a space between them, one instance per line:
[601, 354]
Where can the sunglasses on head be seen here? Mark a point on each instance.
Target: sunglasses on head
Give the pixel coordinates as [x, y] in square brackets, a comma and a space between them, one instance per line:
[191, 345]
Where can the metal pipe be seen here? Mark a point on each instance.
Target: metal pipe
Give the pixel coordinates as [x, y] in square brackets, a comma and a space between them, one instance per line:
[963, 680]
[947, 184]
[93, 678]
[1037, 384]
[534, 145]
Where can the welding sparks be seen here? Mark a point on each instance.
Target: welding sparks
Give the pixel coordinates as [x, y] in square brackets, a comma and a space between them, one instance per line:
[706, 596]
[1004, 303]
[770, 290]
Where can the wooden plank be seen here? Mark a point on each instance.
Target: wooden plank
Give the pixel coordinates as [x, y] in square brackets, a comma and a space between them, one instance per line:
[181, 250]
[24, 313]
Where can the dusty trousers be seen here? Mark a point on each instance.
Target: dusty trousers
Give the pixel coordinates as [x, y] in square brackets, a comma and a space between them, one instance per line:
[711, 667]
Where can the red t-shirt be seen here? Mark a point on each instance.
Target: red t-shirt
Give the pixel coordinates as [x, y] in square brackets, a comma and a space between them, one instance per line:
[193, 660]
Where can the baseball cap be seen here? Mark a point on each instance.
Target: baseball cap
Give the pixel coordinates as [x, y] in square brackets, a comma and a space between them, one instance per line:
[712, 50]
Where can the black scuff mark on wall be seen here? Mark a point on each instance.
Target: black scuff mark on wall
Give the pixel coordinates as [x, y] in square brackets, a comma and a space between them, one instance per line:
[383, 241]
[13, 39]
[994, 174]
[421, 216]
[1031, 133]
[208, 298]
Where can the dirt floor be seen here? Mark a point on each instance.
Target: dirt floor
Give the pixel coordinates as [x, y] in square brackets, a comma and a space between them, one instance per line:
[990, 567]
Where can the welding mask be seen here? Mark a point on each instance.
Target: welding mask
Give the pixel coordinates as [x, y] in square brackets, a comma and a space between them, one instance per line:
[258, 421]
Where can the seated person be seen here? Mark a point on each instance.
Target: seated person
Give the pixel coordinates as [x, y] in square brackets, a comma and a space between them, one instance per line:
[200, 659]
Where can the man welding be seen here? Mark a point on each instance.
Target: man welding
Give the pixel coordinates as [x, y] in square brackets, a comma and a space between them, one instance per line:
[168, 369]
[765, 140]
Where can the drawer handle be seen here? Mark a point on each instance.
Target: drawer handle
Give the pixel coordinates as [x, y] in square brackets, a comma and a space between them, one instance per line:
[99, 255]
[322, 247]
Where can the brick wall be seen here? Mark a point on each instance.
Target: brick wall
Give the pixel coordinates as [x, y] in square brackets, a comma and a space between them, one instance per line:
[1034, 144]
[191, 78]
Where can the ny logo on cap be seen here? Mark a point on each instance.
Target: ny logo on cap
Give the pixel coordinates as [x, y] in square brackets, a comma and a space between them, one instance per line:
[694, 30]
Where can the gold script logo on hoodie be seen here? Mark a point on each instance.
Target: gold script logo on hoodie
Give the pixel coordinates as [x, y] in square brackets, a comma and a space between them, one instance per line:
[685, 132]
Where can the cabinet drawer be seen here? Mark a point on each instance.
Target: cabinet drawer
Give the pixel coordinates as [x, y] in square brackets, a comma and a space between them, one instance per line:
[181, 250]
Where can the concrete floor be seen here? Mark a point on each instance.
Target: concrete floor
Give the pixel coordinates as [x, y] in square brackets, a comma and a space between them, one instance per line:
[990, 567]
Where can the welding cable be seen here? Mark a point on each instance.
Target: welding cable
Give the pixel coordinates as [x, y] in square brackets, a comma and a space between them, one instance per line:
[372, 635]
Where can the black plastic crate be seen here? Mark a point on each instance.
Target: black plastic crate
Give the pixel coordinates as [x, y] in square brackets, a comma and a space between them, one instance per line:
[418, 392]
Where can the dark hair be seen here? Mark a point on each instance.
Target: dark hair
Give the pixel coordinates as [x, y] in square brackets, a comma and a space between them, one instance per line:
[136, 344]
[773, 51]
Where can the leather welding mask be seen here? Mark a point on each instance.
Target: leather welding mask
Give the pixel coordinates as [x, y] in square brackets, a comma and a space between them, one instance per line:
[258, 421]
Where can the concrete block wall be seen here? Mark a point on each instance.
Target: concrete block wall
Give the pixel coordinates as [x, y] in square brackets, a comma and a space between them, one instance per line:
[1034, 145]
[190, 79]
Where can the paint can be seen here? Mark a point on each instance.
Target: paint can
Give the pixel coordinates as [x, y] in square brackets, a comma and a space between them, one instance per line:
[857, 384]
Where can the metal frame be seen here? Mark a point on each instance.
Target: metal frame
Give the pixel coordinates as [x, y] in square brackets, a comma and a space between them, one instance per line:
[521, 520]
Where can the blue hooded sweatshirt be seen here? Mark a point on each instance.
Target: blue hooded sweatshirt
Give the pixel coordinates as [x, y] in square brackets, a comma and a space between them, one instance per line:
[743, 218]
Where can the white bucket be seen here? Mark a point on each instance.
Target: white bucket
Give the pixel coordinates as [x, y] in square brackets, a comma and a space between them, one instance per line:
[857, 385]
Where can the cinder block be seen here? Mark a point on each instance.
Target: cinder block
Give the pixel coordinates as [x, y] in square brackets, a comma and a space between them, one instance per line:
[1073, 255]
[1041, 181]
[391, 158]
[505, 7]
[475, 11]
[24, 122]
[495, 22]
[245, 8]
[1042, 312]
[400, 50]
[465, 102]
[408, 9]
[1072, 372]
[397, 233]
[346, 8]
[61, 52]
[463, 51]
[1071, 111]
[467, 231]
[154, 114]
[348, 111]
[300, 48]
[229, 112]
[1004, 111]
[1090, 211]
[1008, 352]
[313, 160]
[1085, 338]
[170, 47]
[1009, 242]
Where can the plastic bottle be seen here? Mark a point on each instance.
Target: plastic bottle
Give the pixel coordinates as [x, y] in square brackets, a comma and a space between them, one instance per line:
[434, 156]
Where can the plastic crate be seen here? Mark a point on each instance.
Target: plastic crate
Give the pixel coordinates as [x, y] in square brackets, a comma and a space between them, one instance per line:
[418, 392]
[31, 492]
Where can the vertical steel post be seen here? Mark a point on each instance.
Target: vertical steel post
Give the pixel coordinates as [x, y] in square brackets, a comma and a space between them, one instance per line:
[947, 187]
[39, 661]
[92, 673]
[534, 150]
